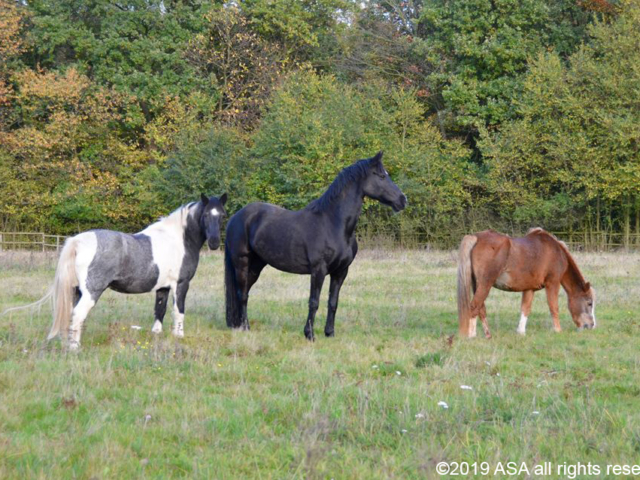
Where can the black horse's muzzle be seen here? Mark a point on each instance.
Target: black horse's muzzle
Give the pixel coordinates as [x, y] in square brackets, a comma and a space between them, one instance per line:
[400, 203]
[213, 243]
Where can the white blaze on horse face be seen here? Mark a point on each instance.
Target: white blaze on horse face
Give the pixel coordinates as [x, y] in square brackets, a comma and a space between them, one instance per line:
[522, 326]
[215, 212]
[157, 327]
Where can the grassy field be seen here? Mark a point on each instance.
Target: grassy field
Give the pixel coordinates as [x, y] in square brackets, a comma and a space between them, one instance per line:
[365, 404]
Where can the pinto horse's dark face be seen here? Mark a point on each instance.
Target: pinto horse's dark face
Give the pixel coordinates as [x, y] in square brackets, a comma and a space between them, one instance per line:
[213, 214]
[379, 186]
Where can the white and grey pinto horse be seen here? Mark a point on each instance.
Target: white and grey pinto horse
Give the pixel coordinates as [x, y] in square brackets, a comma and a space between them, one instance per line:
[163, 257]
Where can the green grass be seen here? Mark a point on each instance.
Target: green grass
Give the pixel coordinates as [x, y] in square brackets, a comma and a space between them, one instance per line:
[269, 404]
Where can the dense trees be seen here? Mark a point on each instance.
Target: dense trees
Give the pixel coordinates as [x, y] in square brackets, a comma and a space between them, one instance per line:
[497, 113]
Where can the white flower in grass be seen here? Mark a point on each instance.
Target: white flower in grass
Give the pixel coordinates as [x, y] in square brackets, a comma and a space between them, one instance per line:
[466, 387]
[403, 430]
[535, 412]
[398, 372]
[135, 327]
[443, 404]
[375, 367]
[421, 415]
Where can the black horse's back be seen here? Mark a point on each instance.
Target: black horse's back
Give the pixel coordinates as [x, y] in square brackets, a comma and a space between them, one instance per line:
[318, 240]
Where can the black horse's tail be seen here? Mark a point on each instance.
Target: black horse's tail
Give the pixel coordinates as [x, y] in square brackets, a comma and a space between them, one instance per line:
[231, 291]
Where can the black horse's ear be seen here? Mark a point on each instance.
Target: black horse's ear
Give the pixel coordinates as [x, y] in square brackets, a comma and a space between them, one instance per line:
[376, 162]
[223, 199]
[204, 199]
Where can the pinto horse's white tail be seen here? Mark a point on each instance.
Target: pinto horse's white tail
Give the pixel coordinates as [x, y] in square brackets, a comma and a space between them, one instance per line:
[63, 288]
[465, 283]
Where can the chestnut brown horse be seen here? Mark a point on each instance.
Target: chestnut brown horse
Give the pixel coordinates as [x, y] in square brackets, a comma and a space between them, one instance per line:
[538, 260]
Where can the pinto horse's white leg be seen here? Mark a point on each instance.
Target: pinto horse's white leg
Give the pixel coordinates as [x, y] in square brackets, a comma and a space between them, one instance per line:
[80, 312]
[179, 295]
[178, 318]
[162, 295]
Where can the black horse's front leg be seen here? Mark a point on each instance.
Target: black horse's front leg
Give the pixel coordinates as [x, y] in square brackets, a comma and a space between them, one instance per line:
[337, 278]
[162, 295]
[317, 279]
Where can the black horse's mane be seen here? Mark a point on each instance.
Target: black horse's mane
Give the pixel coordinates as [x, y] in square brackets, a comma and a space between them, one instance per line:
[348, 175]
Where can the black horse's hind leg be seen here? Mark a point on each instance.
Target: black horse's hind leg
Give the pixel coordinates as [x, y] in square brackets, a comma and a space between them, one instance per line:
[248, 269]
[317, 279]
[337, 278]
[160, 308]
[242, 289]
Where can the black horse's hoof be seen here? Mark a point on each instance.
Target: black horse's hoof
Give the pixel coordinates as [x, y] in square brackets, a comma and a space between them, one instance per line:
[310, 336]
[330, 334]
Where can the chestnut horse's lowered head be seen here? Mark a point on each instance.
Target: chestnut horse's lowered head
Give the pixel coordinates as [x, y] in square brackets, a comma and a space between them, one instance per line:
[582, 305]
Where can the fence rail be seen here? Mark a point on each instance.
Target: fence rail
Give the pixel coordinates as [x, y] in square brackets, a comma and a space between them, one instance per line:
[31, 241]
[598, 241]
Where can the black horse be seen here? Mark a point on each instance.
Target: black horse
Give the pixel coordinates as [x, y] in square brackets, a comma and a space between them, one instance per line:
[318, 240]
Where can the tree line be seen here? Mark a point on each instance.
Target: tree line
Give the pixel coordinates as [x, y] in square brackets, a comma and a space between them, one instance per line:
[504, 113]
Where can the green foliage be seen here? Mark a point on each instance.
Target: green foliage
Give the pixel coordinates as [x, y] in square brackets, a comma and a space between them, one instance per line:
[577, 140]
[480, 51]
[138, 46]
[504, 114]
[215, 164]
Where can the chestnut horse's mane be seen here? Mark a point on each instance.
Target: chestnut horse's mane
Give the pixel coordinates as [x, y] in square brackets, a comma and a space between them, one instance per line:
[572, 263]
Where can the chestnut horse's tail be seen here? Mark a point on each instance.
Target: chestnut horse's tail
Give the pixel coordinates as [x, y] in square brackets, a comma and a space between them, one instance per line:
[465, 283]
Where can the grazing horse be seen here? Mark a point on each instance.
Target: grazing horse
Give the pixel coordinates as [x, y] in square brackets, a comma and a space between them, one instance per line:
[163, 257]
[536, 261]
[318, 240]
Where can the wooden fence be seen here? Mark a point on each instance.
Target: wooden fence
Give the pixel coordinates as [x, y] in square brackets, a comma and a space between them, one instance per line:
[31, 241]
[592, 241]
